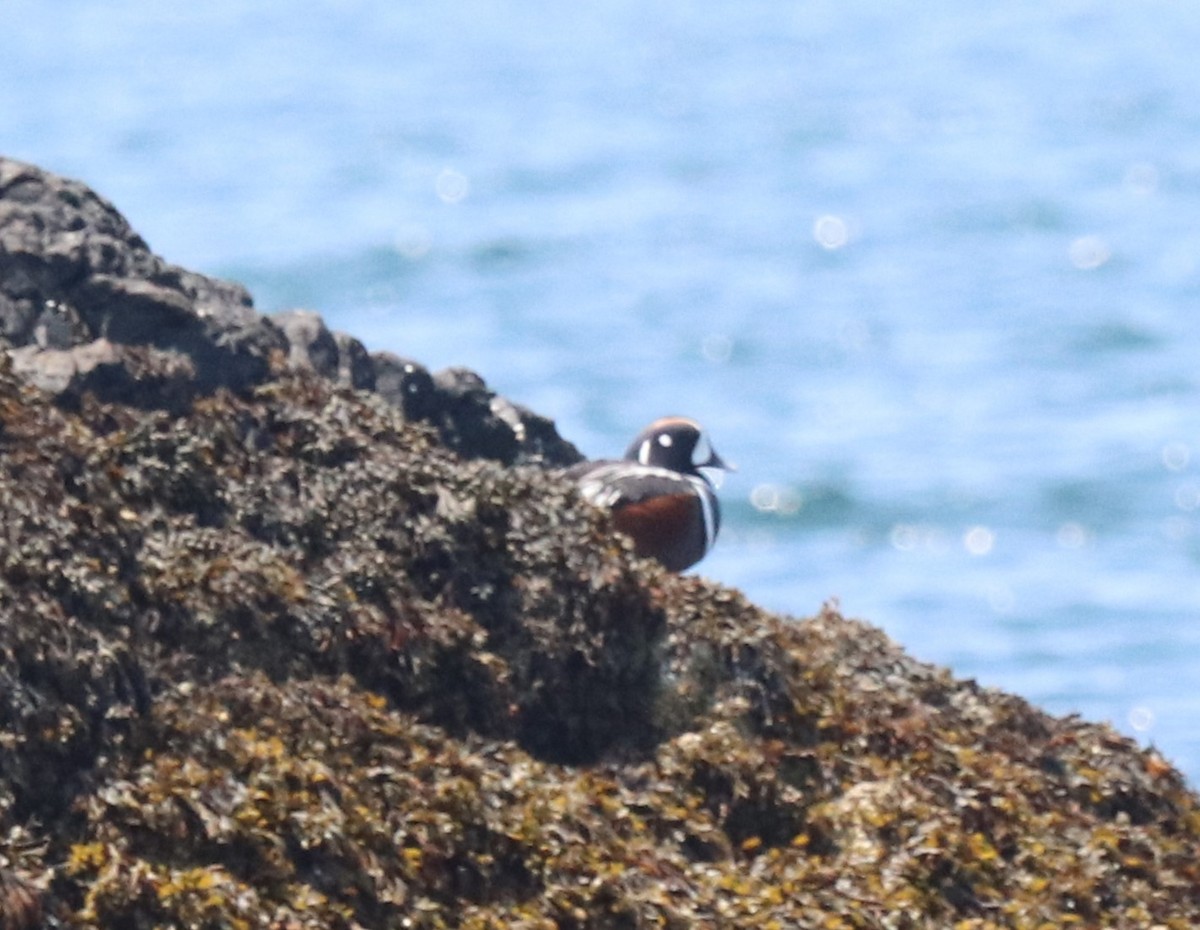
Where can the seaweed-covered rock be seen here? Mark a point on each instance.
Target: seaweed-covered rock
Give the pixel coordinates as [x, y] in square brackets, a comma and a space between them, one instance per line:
[300, 655]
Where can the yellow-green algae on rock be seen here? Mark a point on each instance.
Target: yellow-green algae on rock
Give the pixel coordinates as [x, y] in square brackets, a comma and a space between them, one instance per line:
[284, 661]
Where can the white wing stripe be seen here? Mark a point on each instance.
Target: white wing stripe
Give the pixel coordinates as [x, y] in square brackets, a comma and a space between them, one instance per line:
[598, 488]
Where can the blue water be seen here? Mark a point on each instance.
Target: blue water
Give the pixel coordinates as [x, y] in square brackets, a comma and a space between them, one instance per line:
[929, 274]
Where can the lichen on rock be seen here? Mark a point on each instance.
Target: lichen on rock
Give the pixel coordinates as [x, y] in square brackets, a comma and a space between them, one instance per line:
[324, 643]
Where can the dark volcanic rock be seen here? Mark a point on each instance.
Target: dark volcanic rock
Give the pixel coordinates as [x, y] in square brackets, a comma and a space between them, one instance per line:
[406, 384]
[311, 346]
[336, 356]
[283, 657]
[478, 423]
[73, 273]
[138, 375]
[471, 419]
[355, 368]
[89, 309]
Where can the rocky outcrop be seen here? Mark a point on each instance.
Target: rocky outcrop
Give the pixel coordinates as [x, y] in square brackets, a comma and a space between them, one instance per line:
[87, 309]
[81, 296]
[289, 653]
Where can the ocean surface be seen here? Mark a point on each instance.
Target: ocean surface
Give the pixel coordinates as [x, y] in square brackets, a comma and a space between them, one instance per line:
[929, 273]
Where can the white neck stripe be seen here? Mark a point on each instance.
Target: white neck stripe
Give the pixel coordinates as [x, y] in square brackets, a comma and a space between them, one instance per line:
[708, 509]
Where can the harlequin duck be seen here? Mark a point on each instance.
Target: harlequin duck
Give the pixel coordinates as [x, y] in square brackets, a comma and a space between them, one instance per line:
[659, 494]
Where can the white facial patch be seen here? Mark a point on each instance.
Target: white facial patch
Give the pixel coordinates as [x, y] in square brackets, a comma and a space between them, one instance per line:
[643, 455]
[702, 452]
[665, 440]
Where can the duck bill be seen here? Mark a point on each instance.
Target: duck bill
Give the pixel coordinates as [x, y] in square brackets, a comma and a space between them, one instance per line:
[714, 470]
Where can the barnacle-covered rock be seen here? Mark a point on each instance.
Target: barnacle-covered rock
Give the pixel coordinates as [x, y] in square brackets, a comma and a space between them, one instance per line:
[295, 653]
